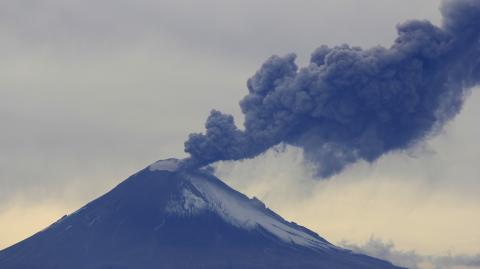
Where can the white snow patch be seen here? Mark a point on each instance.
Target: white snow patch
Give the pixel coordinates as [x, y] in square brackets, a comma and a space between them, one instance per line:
[187, 204]
[170, 165]
[192, 201]
[248, 215]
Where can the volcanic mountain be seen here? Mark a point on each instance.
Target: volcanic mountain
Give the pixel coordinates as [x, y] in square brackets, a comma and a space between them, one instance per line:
[168, 217]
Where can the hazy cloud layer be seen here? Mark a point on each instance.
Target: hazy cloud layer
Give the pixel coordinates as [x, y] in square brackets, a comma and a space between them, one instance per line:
[386, 250]
[240, 30]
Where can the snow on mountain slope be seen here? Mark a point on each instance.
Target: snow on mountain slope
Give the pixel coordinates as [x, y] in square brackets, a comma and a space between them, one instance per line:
[235, 209]
[188, 204]
[250, 214]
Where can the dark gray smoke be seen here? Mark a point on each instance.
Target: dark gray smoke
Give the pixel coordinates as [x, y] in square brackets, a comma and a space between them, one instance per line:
[353, 104]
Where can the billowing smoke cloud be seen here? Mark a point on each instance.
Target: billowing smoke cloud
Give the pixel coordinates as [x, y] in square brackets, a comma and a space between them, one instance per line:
[353, 104]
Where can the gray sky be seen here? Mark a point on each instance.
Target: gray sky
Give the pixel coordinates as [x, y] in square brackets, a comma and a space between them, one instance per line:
[88, 87]
[92, 91]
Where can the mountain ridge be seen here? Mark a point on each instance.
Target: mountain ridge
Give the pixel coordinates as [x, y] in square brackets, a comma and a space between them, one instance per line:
[167, 217]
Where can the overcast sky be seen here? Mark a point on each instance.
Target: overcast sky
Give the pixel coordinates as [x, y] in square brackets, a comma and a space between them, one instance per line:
[92, 91]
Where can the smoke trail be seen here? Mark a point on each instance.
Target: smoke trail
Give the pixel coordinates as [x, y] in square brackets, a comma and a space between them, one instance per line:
[350, 103]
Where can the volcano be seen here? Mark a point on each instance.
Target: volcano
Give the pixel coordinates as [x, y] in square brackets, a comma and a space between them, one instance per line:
[166, 216]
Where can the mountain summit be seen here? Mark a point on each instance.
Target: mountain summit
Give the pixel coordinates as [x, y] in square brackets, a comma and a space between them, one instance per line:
[166, 216]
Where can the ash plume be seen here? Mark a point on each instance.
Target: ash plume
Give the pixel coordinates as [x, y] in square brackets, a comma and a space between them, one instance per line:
[350, 103]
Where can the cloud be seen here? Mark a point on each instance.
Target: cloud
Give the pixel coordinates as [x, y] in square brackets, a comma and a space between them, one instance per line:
[386, 250]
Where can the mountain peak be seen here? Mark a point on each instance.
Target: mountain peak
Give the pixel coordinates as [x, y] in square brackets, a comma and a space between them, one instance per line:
[201, 192]
[170, 165]
[169, 217]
